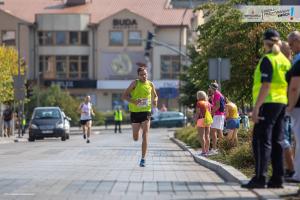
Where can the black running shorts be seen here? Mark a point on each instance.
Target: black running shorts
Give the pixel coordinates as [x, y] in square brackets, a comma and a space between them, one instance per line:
[139, 117]
[84, 121]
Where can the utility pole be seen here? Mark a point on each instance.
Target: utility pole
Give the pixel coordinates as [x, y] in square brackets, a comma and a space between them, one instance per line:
[19, 81]
[20, 107]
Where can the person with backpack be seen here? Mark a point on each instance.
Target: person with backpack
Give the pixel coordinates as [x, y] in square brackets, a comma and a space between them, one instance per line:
[218, 108]
[7, 119]
[203, 121]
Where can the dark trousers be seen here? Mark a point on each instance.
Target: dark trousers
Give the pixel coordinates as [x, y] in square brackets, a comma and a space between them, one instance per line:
[118, 123]
[268, 136]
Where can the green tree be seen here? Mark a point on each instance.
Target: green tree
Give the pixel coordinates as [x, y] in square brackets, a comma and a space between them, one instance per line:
[54, 96]
[8, 69]
[225, 35]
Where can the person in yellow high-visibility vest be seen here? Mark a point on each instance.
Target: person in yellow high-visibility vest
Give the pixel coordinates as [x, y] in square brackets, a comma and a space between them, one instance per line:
[118, 119]
[269, 100]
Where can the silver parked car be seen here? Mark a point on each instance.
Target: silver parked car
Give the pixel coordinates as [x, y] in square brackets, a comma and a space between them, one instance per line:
[49, 122]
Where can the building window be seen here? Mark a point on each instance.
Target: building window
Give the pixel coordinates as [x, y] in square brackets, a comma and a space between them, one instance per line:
[48, 38]
[84, 66]
[74, 38]
[64, 67]
[46, 67]
[134, 38]
[8, 38]
[63, 38]
[60, 38]
[84, 38]
[74, 67]
[116, 38]
[170, 67]
[61, 67]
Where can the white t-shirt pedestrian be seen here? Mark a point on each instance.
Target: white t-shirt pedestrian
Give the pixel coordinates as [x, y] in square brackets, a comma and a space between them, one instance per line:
[86, 111]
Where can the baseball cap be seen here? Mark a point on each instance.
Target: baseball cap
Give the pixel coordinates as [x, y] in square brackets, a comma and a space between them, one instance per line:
[272, 35]
[214, 86]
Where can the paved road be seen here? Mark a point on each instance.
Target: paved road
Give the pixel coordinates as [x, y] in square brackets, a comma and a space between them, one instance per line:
[107, 168]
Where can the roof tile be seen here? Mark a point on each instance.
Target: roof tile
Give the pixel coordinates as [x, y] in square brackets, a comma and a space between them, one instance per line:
[154, 10]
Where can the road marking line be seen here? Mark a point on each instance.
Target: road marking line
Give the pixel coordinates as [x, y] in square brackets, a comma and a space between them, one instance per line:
[19, 194]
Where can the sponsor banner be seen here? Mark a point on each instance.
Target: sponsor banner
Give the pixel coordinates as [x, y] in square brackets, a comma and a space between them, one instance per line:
[121, 65]
[270, 13]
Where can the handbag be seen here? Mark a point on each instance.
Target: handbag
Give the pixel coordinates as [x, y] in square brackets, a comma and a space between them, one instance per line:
[208, 120]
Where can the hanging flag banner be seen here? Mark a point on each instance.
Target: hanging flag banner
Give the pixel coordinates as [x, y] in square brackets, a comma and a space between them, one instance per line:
[270, 13]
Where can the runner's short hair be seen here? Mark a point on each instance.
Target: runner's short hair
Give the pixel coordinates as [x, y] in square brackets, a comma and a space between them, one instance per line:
[141, 68]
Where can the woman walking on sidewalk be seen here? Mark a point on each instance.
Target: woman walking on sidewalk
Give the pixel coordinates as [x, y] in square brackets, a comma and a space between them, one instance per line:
[141, 95]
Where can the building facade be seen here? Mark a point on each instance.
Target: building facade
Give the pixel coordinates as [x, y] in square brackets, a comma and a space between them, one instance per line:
[93, 47]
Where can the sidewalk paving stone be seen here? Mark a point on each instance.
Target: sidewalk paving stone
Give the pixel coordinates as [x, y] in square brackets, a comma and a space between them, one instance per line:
[232, 175]
[108, 168]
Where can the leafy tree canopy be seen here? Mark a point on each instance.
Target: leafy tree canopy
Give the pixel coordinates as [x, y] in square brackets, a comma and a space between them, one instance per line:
[8, 69]
[54, 96]
[225, 35]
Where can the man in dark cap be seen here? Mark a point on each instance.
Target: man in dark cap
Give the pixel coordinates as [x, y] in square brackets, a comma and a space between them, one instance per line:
[269, 101]
[272, 35]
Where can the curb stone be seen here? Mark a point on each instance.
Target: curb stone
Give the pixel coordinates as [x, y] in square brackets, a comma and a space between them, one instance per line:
[227, 172]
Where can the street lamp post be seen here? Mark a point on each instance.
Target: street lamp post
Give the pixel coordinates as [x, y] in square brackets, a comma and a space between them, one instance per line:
[180, 58]
[21, 102]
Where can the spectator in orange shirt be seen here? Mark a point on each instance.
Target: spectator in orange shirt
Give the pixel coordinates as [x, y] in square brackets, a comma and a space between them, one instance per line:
[203, 129]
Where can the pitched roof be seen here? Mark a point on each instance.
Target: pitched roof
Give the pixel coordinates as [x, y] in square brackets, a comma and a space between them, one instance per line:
[156, 11]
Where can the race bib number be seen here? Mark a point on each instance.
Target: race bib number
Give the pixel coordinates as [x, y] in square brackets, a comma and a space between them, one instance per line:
[143, 102]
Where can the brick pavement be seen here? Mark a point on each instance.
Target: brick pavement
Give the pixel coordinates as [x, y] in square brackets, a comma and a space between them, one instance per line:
[107, 168]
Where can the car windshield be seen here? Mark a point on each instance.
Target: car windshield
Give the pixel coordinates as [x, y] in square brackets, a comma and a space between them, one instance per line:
[46, 114]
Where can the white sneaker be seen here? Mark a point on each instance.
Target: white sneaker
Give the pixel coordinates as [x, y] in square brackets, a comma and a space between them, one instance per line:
[213, 152]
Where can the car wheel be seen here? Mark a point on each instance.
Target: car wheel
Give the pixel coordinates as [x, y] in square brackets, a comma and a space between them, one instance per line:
[63, 138]
[31, 139]
[67, 136]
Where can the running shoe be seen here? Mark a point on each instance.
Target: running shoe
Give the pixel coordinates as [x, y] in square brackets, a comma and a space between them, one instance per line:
[204, 154]
[142, 163]
[84, 136]
[87, 141]
[213, 152]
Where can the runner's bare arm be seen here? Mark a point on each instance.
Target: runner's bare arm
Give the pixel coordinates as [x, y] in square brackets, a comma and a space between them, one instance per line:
[154, 95]
[92, 112]
[126, 94]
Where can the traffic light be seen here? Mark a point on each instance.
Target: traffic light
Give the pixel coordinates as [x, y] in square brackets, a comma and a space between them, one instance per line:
[29, 90]
[149, 43]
